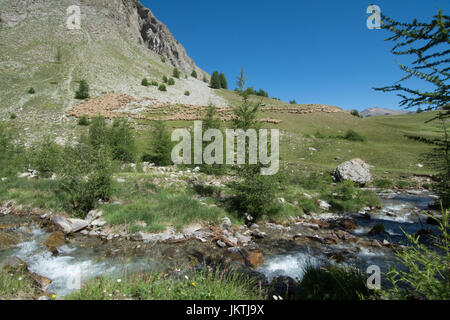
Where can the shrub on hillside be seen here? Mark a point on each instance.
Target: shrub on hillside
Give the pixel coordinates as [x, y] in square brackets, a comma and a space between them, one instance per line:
[160, 151]
[162, 87]
[354, 136]
[31, 91]
[122, 142]
[165, 79]
[145, 82]
[83, 90]
[176, 73]
[171, 82]
[187, 93]
[83, 121]
[194, 74]
[46, 157]
[12, 116]
[85, 177]
[356, 113]
[154, 83]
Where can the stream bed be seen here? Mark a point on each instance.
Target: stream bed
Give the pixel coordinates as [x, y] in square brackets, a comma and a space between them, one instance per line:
[86, 257]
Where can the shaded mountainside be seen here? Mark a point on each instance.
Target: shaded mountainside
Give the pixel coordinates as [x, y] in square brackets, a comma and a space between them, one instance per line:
[119, 43]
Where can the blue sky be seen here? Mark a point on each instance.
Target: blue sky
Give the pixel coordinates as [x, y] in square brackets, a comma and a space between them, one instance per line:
[310, 51]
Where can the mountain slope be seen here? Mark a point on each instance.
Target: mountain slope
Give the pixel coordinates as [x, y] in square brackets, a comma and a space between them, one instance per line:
[119, 43]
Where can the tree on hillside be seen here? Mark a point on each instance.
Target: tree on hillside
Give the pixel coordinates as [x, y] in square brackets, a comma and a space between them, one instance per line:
[160, 151]
[427, 44]
[215, 80]
[83, 90]
[223, 81]
[254, 193]
[194, 74]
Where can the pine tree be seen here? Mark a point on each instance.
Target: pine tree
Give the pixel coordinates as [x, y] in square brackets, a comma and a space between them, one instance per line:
[215, 80]
[161, 144]
[424, 42]
[223, 81]
[83, 90]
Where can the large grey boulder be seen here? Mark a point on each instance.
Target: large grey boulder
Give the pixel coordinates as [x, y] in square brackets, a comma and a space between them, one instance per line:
[354, 170]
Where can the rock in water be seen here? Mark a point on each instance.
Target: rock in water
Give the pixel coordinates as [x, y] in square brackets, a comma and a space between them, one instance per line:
[354, 170]
[54, 241]
[68, 225]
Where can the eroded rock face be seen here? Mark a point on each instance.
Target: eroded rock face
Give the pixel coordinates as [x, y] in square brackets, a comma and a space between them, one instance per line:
[354, 170]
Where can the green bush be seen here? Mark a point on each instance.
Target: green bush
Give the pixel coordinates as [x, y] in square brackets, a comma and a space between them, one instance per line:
[194, 74]
[347, 197]
[12, 116]
[46, 157]
[356, 113]
[187, 93]
[31, 91]
[255, 194]
[176, 73]
[85, 177]
[165, 79]
[154, 83]
[332, 283]
[98, 132]
[292, 102]
[122, 141]
[160, 151]
[163, 60]
[425, 271]
[119, 138]
[354, 136]
[145, 82]
[83, 121]
[162, 87]
[171, 82]
[83, 90]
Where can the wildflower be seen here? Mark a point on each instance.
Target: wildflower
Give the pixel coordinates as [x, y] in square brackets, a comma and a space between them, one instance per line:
[20, 279]
[119, 280]
[193, 284]
[53, 296]
[186, 277]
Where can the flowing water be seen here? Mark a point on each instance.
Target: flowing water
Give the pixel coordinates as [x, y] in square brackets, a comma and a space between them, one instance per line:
[84, 258]
[400, 213]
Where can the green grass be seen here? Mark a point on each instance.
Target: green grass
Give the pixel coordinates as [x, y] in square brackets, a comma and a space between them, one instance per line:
[161, 210]
[16, 285]
[198, 286]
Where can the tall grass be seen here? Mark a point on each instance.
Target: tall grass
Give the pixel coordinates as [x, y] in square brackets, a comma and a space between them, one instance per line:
[197, 286]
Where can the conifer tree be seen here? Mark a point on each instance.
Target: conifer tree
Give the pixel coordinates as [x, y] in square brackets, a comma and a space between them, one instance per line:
[215, 80]
[427, 44]
[83, 90]
[223, 81]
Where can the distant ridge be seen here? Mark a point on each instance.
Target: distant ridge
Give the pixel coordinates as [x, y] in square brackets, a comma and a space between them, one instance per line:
[374, 112]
